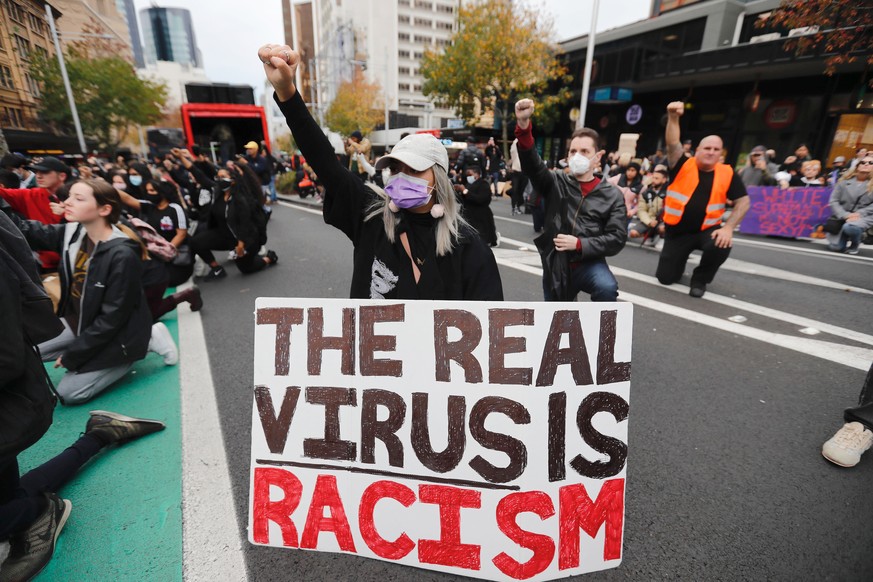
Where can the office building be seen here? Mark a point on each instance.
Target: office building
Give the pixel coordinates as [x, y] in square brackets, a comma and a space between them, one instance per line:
[24, 35]
[384, 40]
[168, 35]
[732, 68]
[128, 12]
[87, 17]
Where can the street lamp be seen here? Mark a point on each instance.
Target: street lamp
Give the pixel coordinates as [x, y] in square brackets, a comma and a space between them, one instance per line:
[73, 111]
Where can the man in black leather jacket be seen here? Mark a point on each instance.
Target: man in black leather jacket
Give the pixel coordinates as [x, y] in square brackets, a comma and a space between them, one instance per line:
[586, 218]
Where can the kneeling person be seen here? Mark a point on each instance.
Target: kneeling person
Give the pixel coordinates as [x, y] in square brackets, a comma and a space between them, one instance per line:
[107, 324]
[649, 221]
[694, 208]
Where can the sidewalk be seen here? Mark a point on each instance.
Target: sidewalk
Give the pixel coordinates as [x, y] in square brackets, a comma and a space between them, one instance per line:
[126, 523]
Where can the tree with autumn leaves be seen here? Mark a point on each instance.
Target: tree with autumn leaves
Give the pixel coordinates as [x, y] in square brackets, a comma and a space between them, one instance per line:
[358, 106]
[844, 28]
[502, 51]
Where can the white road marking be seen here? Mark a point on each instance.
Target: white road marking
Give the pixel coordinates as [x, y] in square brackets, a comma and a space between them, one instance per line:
[791, 318]
[515, 220]
[801, 251]
[774, 273]
[851, 356]
[212, 548]
[854, 357]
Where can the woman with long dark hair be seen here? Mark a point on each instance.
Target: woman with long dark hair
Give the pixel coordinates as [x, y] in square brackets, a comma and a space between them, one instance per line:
[410, 239]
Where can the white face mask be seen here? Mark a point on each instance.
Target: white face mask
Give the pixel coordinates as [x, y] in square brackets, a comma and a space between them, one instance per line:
[579, 164]
[471, 179]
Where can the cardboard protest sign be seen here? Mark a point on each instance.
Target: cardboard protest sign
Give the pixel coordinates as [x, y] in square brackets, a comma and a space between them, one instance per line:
[482, 439]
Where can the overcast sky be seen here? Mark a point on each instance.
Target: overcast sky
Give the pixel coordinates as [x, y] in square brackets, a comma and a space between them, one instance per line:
[229, 32]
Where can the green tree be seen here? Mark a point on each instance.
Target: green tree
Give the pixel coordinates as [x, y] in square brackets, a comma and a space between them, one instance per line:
[502, 51]
[844, 28]
[358, 106]
[110, 98]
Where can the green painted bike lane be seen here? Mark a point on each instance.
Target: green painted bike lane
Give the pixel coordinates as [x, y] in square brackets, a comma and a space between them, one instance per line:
[126, 522]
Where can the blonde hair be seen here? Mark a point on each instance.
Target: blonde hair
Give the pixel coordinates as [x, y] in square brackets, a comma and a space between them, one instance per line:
[810, 163]
[448, 226]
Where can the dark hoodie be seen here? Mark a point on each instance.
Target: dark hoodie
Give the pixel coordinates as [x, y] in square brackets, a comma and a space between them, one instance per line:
[114, 319]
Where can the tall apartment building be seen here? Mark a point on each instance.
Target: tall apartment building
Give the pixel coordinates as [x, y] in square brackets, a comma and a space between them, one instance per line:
[24, 34]
[384, 40]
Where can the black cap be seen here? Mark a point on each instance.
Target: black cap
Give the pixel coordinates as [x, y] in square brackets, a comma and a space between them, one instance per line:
[471, 139]
[51, 164]
[634, 165]
[13, 161]
[357, 135]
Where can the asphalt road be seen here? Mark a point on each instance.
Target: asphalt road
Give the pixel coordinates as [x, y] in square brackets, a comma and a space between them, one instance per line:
[725, 476]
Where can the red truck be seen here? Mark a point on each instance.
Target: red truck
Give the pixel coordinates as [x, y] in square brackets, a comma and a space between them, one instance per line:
[225, 126]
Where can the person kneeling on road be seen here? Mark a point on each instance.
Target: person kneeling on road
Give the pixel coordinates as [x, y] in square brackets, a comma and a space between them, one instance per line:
[410, 239]
[649, 221]
[586, 218]
[107, 324]
[694, 207]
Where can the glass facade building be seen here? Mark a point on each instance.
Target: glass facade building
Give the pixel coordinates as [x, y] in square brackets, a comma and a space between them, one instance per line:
[168, 35]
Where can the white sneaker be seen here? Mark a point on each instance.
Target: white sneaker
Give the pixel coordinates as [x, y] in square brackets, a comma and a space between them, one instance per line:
[659, 246]
[162, 344]
[201, 269]
[846, 447]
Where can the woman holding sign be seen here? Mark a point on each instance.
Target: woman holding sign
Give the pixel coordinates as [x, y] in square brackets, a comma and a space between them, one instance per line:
[410, 239]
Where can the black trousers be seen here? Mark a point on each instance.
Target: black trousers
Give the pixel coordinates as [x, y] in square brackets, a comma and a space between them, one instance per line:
[519, 183]
[21, 500]
[678, 248]
[206, 241]
[863, 413]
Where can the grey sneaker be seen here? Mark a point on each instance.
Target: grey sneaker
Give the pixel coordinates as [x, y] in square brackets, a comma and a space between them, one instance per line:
[112, 428]
[32, 550]
[847, 445]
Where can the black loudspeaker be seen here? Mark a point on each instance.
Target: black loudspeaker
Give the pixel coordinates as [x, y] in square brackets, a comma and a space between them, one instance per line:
[220, 93]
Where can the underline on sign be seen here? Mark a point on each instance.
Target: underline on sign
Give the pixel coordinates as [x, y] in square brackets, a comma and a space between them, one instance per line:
[381, 473]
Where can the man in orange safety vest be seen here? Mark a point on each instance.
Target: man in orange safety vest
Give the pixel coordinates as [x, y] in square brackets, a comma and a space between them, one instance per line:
[699, 190]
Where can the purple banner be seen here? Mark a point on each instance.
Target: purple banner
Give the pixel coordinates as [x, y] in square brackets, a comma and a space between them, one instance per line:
[795, 212]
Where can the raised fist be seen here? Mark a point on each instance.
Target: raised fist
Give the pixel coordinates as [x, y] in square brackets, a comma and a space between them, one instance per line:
[280, 65]
[524, 110]
[676, 109]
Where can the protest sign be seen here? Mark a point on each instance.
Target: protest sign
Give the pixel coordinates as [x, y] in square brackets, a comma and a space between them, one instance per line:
[790, 212]
[482, 439]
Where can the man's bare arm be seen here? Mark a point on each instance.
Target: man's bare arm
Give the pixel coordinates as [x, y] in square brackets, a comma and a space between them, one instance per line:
[672, 134]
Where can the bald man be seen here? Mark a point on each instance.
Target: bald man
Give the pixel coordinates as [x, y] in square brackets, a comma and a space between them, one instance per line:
[700, 188]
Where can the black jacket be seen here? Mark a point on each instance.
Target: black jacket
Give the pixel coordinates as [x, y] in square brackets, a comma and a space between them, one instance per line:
[383, 270]
[114, 320]
[26, 318]
[245, 218]
[477, 210]
[601, 221]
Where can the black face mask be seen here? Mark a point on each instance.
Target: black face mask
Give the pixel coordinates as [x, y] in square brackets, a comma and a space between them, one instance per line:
[224, 184]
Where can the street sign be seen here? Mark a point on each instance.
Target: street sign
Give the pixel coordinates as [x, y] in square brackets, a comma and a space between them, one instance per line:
[634, 114]
[479, 439]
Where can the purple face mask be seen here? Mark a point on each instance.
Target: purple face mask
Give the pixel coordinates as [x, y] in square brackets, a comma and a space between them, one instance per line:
[406, 191]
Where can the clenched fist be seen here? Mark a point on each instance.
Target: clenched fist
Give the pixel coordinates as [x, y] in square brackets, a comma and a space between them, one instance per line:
[524, 110]
[280, 65]
[676, 109]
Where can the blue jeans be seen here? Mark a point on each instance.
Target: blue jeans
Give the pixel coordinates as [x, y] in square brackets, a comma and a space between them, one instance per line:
[495, 183]
[850, 236]
[592, 277]
[273, 195]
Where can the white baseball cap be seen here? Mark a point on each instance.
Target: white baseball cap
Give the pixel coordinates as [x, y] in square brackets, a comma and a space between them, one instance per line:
[419, 151]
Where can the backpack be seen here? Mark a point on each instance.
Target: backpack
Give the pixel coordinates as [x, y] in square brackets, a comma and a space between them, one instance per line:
[158, 246]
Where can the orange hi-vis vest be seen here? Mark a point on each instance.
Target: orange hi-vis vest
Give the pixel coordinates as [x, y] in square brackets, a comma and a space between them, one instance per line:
[680, 190]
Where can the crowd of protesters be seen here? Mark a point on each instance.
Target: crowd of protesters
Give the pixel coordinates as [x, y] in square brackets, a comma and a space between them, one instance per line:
[87, 255]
